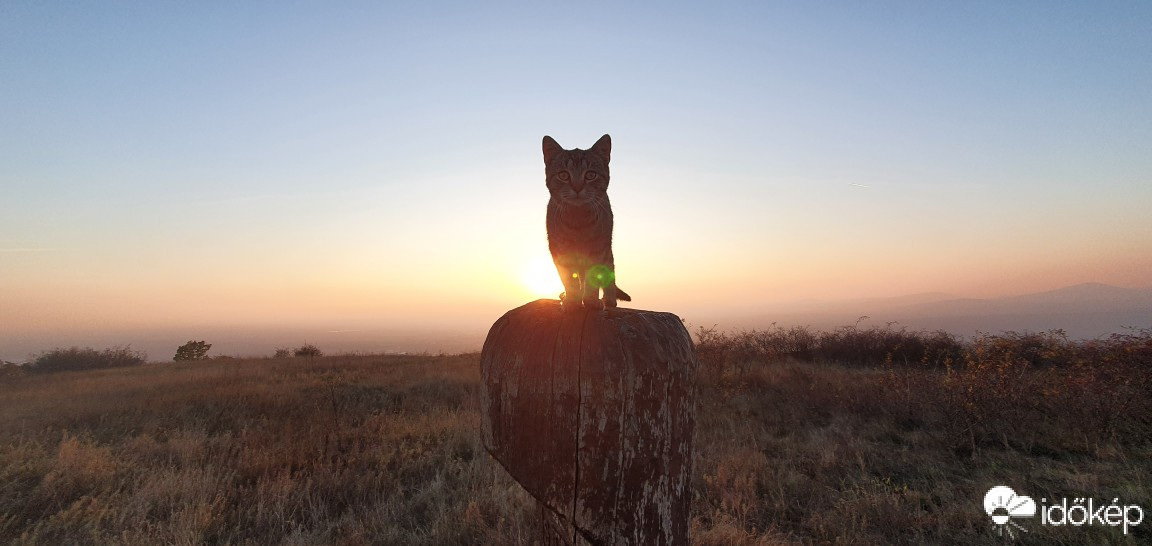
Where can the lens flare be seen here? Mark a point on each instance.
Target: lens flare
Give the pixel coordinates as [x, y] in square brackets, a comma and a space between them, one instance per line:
[600, 275]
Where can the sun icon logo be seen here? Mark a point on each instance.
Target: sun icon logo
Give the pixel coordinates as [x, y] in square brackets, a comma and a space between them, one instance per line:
[1002, 504]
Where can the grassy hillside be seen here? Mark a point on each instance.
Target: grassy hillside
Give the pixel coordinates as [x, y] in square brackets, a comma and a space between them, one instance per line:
[353, 450]
[791, 447]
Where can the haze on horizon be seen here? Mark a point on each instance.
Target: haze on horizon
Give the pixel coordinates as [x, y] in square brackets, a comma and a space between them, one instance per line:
[376, 166]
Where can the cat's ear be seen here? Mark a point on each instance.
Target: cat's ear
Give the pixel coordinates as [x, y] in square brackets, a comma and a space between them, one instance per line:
[551, 148]
[603, 148]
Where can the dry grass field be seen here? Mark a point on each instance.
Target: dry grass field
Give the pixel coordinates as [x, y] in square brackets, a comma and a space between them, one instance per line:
[894, 439]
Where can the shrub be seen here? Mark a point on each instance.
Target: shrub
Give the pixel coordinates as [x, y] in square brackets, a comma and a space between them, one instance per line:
[282, 352]
[8, 370]
[75, 358]
[1105, 388]
[308, 350]
[193, 350]
[1040, 349]
[1034, 392]
[870, 346]
[734, 352]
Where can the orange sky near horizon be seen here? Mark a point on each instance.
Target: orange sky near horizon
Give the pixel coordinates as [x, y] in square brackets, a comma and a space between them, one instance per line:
[468, 283]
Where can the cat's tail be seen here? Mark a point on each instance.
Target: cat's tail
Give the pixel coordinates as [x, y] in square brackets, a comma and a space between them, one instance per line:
[622, 295]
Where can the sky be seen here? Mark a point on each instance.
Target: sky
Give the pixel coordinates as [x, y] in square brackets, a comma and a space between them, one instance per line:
[186, 166]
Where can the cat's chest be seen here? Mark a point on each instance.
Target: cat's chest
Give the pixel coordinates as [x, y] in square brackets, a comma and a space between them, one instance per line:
[578, 229]
[578, 217]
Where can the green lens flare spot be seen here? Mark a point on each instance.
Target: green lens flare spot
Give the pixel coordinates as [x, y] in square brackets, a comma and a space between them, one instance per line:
[601, 275]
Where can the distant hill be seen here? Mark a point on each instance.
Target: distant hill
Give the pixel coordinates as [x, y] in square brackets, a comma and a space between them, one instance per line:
[1083, 311]
[1081, 298]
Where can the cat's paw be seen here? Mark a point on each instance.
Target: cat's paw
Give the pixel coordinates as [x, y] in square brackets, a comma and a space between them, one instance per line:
[570, 305]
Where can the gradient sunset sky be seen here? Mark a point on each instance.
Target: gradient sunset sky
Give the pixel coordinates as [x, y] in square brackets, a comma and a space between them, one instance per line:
[378, 164]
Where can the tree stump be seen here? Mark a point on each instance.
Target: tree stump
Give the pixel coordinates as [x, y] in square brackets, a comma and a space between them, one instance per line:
[593, 413]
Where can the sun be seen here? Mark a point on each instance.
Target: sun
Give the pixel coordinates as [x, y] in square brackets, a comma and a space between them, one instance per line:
[539, 278]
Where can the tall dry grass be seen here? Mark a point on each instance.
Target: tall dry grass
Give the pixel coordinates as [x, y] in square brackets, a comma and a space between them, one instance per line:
[796, 443]
[335, 450]
[845, 437]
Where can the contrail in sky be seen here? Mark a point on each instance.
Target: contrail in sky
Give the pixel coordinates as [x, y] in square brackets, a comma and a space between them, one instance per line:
[858, 185]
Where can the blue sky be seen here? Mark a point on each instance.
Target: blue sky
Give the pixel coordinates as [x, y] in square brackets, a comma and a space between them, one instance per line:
[378, 163]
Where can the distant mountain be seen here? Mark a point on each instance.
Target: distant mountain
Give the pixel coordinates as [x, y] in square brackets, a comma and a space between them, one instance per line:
[1082, 311]
[1081, 298]
[1090, 295]
[903, 301]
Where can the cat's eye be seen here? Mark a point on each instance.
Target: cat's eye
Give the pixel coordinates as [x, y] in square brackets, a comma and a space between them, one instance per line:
[563, 176]
[590, 176]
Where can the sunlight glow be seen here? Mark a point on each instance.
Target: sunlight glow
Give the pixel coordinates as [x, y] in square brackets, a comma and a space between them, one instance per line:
[539, 278]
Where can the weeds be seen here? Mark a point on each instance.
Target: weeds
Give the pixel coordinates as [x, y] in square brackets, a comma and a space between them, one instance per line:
[888, 436]
[347, 450]
[801, 438]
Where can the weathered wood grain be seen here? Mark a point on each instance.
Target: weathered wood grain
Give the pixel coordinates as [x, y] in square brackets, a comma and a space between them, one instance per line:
[593, 413]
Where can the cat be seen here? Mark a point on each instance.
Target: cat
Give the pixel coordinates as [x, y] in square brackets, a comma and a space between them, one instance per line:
[579, 223]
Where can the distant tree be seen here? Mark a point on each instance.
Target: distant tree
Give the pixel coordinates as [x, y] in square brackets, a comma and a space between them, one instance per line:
[282, 352]
[308, 350]
[75, 358]
[193, 350]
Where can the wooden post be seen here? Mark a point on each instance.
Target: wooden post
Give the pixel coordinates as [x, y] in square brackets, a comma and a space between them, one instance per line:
[593, 413]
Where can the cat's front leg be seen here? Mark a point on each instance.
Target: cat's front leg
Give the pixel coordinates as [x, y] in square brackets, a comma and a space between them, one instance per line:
[591, 292]
[570, 300]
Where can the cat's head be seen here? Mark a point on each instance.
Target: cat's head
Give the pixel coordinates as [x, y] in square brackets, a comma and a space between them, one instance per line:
[577, 177]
